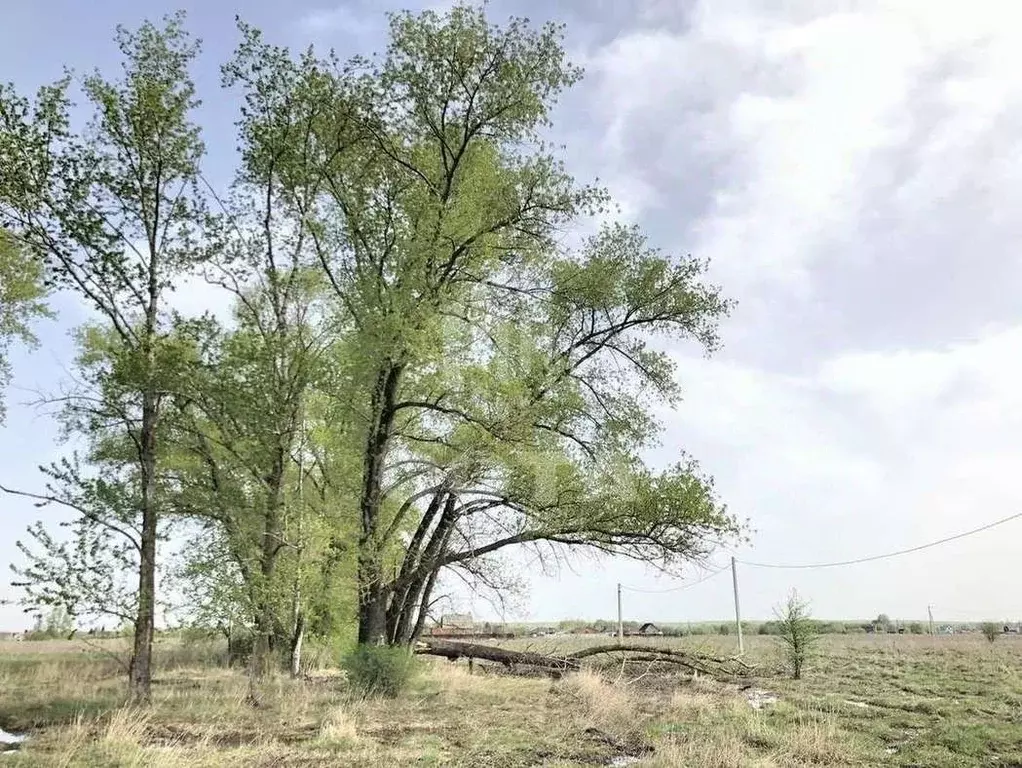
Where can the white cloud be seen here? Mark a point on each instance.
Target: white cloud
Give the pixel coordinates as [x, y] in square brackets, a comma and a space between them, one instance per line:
[854, 171]
[870, 453]
[801, 103]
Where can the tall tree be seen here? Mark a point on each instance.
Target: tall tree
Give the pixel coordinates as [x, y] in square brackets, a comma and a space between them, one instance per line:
[251, 409]
[21, 301]
[499, 386]
[238, 433]
[114, 208]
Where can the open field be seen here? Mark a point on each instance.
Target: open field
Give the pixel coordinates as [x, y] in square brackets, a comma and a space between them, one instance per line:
[868, 700]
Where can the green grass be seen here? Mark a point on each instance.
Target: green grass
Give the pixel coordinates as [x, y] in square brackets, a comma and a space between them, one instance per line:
[865, 701]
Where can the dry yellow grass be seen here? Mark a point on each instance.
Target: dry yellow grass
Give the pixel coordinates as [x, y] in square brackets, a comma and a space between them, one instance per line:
[339, 726]
[597, 702]
[914, 702]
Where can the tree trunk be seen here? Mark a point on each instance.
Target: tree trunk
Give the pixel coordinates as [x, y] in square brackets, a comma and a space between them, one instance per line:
[424, 603]
[455, 651]
[265, 625]
[409, 582]
[410, 616]
[425, 572]
[372, 594]
[262, 648]
[272, 541]
[140, 669]
[399, 617]
[296, 646]
[298, 615]
[372, 607]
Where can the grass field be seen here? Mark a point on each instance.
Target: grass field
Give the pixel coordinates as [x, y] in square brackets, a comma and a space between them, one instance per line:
[868, 700]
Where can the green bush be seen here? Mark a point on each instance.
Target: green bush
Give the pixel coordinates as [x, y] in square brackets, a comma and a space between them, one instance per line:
[990, 630]
[798, 632]
[375, 670]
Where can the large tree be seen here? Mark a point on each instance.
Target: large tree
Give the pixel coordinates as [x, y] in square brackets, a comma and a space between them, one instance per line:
[429, 365]
[239, 437]
[500, 385]
[113, 208]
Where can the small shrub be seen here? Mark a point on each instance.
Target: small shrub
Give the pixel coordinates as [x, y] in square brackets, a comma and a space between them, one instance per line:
[798, 632]
[916, 628]
[990, 630]
[379, 670]
[724, 629]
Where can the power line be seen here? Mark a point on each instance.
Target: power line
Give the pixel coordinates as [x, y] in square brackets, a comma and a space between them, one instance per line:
[707, 577]
[871, 558]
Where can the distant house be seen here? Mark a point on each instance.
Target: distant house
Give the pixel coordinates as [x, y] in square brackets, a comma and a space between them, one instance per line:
[649, 630]
[455, 624]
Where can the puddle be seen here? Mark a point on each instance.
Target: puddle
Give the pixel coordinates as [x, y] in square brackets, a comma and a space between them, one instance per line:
[623, 760]
[859, 704]
[759, 699]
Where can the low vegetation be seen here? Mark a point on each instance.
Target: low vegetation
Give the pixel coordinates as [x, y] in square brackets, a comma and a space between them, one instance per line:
[868, 700]
[990, 630]
[379, 670]
[798, 633]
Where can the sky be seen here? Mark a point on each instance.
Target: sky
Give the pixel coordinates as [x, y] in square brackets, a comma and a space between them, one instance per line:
[850, 170]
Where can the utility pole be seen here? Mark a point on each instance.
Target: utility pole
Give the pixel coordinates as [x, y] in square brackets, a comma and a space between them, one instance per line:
[738, 610]
[620, 624]
[929, 610]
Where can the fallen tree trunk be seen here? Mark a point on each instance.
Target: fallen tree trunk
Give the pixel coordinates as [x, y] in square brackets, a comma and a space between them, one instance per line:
[698, 662]
[455, 651]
